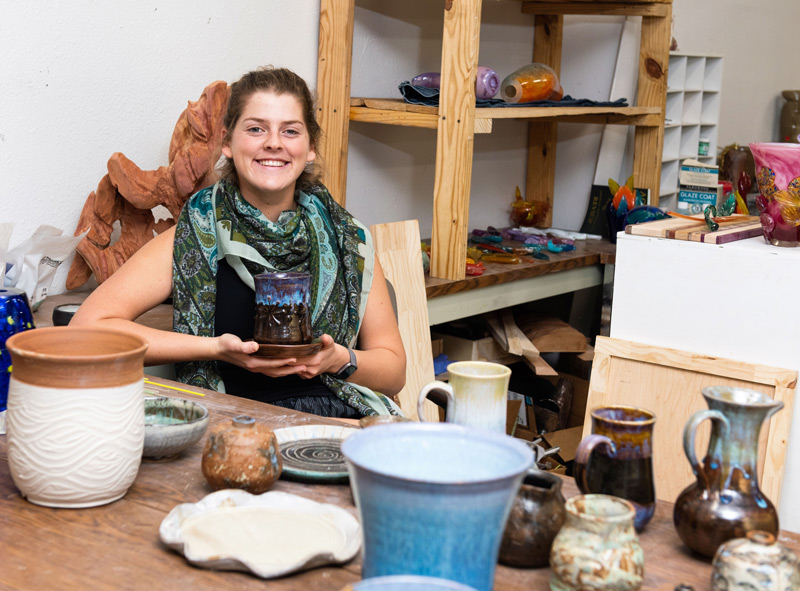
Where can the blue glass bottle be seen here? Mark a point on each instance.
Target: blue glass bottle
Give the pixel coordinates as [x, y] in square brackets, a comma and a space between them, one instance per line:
[15, 316]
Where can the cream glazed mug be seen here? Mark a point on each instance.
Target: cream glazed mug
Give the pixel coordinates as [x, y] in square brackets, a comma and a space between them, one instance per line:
[476, 395]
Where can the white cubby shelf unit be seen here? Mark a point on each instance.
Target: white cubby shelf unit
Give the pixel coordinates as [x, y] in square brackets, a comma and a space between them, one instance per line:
[694, 83]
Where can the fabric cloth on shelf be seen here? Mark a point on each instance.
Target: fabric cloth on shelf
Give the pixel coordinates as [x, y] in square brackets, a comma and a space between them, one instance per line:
[420, 95]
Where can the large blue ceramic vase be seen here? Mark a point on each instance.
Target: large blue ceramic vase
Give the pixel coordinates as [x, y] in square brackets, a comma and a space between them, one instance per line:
[15, 316]
[434, 498]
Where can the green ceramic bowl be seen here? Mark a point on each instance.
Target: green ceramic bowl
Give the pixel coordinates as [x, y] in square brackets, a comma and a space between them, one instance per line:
[172, 425]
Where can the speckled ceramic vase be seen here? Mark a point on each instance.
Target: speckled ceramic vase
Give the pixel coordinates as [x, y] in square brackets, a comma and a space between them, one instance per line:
[241, 453]
[617, 458]
[598, 547]
[755, 562]
[433, 498]
[725, 502]
[75, 414]
[537, 515]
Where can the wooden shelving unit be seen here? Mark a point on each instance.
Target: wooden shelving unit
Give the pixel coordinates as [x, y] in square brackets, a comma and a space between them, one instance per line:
[694, 88]
[457, 119]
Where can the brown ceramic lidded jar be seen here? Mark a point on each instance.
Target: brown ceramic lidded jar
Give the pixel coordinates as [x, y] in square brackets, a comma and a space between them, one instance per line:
[241, 453]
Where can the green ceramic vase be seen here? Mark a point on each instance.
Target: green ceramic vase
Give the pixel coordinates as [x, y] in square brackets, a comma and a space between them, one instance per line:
[726, 502]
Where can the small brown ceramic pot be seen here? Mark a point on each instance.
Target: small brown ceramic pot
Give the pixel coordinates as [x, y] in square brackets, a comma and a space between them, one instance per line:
[537, 515]
[241, 453]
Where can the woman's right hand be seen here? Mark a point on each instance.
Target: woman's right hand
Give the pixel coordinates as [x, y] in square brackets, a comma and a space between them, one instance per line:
[234, 350]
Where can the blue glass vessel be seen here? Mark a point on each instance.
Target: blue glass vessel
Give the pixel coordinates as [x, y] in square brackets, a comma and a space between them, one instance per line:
[15, 316]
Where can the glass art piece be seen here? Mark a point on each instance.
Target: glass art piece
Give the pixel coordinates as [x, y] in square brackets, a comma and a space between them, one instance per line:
[778, 202]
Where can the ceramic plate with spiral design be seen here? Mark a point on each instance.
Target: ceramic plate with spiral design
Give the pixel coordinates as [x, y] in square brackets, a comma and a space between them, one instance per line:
[311, 453]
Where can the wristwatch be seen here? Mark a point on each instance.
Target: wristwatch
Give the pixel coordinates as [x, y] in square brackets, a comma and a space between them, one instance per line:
[348, 368]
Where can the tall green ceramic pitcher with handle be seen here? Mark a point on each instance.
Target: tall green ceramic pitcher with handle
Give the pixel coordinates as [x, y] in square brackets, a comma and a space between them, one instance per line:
[725, 502]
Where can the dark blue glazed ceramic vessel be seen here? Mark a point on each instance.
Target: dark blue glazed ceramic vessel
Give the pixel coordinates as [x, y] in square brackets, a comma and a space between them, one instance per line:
[434, 498]
[15, 316]
[283, 308]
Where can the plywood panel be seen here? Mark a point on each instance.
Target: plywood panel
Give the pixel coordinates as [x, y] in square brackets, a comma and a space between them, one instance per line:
[397, 246]
[668, 383]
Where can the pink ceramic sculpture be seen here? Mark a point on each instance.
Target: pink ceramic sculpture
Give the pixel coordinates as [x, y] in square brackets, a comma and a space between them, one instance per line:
[778, 202]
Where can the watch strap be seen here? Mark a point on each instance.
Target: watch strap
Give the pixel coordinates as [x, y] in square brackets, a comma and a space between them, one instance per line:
[348, 368]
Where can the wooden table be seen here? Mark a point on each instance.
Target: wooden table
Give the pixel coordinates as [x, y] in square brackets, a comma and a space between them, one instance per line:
[116, 546]
[503, 285]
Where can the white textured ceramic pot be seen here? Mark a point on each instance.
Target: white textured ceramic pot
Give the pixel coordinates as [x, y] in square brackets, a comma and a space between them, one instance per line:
[75, 414]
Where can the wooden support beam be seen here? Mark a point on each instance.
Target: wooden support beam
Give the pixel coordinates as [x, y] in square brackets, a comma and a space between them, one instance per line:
[454, 143]
[335, 61]
[542, 137]
[652, 92]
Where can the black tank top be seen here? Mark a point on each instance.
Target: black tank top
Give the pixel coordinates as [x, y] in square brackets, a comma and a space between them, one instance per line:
[235, 313]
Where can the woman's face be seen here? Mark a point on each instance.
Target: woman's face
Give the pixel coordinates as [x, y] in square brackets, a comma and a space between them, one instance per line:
[269, 146]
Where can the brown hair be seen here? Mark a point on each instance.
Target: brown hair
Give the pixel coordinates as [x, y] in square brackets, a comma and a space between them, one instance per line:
[278, 81]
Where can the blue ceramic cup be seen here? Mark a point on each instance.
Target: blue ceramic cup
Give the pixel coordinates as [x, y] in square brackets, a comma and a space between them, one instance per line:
[15, 316]
[434, 498]
[407, 583]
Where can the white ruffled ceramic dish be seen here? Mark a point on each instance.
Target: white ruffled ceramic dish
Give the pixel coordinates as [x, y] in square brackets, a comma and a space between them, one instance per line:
[271, 534]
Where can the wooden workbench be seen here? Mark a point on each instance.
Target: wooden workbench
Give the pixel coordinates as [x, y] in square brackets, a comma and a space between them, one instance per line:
[117, 547]
[500, 286]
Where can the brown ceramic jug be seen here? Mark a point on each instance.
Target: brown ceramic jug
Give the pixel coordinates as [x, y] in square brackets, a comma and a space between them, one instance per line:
[617, 458]
[726, 501]
[537, 515]
[241, 453]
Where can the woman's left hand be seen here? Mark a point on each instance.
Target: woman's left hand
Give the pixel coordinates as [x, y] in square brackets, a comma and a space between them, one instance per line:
[326, 360]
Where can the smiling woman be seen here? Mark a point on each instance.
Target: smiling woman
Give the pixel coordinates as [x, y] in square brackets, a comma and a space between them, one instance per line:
[270, 148]
[268, 213]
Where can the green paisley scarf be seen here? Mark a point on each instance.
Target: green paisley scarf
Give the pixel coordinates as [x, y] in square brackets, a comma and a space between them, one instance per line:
[319, 237]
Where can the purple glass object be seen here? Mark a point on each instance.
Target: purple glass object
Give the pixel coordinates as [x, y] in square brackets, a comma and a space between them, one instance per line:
[283, 308]
[778, 179]
[426, 80]
[487, 82]
[15, 316]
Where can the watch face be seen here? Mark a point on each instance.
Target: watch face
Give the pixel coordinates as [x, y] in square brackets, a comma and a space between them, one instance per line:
[349, 368]
[347, 372]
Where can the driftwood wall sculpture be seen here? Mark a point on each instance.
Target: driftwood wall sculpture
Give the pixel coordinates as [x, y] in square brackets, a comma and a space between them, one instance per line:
[128, 194]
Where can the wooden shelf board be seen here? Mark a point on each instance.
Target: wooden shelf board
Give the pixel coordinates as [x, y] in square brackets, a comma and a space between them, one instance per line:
[656, 8]
[398, 112]
[586, 253]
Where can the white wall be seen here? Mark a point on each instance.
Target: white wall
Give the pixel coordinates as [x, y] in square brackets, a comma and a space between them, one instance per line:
[85, 79]
[760, 61]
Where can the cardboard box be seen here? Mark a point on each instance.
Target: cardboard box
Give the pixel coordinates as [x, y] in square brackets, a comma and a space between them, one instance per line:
[699, 186]
[696, 199]
[526, 422]
[569, 438]
[698, 174]
[461, 349]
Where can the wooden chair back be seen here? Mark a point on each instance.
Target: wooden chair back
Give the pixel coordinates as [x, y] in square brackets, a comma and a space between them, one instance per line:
[397, 246]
